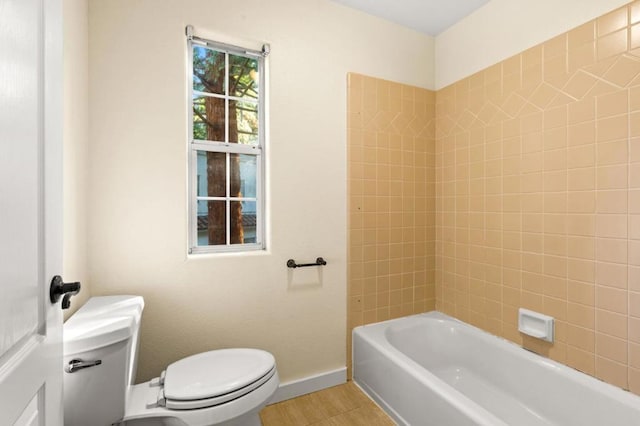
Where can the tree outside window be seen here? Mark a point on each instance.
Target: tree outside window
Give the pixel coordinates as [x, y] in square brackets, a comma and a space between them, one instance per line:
[226, 147]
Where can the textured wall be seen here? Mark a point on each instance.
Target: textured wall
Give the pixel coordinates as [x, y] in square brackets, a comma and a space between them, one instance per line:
[137, 203]
[391, 200]
[76, 148]
[537, 170]
[503, 28]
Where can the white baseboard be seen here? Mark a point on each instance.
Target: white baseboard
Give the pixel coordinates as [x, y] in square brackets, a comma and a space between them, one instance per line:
[309, 384]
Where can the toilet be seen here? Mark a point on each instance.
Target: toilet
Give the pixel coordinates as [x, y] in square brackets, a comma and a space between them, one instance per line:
[220, 387]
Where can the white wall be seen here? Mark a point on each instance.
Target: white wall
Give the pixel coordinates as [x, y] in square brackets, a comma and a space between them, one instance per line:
[75, 136]
[503, 28]
[137, 179]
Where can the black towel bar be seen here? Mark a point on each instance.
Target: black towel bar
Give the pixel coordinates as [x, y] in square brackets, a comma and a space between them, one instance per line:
[292, 263]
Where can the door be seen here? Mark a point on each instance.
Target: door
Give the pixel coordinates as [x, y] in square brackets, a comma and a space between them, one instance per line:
[30, 211]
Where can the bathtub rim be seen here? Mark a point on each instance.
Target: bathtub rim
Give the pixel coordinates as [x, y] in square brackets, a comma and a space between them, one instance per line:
[480, 415]
[606, 390]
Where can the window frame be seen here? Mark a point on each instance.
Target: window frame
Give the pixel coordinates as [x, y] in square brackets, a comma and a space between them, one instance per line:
[195, 145]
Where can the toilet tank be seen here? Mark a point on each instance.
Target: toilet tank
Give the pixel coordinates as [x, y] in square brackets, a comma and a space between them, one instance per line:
[100, 356]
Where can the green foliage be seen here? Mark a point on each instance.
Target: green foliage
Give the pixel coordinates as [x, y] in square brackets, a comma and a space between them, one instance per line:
[209, 74]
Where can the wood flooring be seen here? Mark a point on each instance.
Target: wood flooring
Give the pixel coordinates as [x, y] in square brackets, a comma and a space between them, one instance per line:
[343, 405]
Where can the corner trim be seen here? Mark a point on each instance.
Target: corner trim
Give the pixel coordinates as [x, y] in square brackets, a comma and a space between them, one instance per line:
[309, 384]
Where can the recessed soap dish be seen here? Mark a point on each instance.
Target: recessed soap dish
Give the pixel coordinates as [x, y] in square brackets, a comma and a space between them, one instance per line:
[535, 324]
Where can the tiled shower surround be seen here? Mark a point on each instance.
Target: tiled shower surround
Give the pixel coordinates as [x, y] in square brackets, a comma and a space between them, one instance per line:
[391, 201]
[537, 198]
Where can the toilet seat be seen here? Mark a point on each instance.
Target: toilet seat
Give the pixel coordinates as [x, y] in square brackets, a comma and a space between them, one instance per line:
[222, 387]
[216, 377]
[141, 404]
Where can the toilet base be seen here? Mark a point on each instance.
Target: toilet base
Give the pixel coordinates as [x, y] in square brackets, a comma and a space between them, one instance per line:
[248, 420]
[244, 411]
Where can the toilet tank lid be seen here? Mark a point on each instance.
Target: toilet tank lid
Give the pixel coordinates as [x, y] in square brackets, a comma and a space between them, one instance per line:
[109, 306]
[102, 321]
[96, 333]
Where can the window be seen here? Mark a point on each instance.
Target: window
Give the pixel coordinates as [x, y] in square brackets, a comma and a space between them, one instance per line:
[226, 146]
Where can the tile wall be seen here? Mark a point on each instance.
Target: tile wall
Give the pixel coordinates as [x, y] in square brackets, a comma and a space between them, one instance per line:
[538, 197]
[391, 190]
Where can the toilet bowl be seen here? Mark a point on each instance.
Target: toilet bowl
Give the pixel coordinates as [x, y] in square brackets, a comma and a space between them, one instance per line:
[220, 387]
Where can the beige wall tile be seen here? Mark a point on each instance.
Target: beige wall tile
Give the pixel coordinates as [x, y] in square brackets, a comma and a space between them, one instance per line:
[611, 372]
[612, 128]
[581, 224]
[611, 22]
[581, 247]
[615, 176]
[623, 71]
[579, 84]
[581, 315]
[611, 201]
[581, 360]
[634, 304]
[612, 324]
[581, 292]
[635, 37]
[581, 56]
[612, 44]
[612, 104]
[634, 98]
[392, 194]
[581, 111]
[634, 330]
[611, 299]
[581, 270]
[611, 348]
[634, 12]
[581, 338]
[611, 274]
[611, 226]
[536, 200]
[634, 226]
[581, 35]
[634, 380]
[611, 250]
[582, 133]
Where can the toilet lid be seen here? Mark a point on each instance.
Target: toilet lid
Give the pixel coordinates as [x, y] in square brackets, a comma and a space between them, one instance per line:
[215, 373]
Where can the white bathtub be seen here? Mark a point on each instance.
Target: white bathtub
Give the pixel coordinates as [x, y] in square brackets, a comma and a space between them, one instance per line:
[431, 369]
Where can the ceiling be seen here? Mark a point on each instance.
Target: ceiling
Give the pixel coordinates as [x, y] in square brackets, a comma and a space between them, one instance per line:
[427, 16]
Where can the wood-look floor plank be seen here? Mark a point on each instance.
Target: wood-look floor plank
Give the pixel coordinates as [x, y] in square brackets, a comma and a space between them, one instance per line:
[343, 405]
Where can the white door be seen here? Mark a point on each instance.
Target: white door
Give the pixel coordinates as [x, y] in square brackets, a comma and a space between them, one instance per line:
[30, 211]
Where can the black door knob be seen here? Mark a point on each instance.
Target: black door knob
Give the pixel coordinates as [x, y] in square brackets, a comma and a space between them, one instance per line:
[58, 288]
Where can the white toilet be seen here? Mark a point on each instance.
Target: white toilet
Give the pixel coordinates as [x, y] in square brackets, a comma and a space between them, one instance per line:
[221, 387]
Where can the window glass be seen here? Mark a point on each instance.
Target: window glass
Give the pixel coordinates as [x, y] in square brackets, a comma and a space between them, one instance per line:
[244, 169]
[208, 70]
[244, 129]
[243, 77]
[212, 218]
[227, 141]
[212, 174]
[208, 118]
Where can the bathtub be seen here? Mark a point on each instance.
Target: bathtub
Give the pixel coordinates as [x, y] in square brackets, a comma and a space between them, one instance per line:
[431, 369]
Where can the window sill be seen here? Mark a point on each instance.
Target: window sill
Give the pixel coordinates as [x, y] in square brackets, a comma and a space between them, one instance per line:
[257, 252]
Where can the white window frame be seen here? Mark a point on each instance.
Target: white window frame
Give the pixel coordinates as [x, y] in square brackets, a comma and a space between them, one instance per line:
[226, 147]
